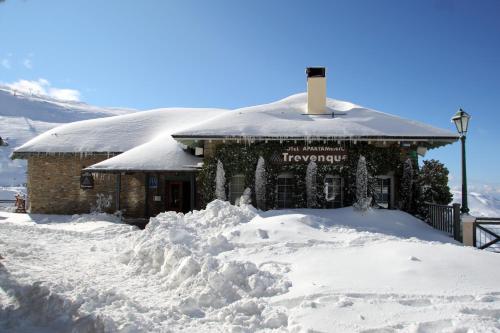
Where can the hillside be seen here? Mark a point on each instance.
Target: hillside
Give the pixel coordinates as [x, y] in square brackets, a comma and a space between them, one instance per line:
[481, 202]
[23, 117]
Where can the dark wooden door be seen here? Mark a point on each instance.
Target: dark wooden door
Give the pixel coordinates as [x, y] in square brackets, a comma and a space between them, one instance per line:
[175, 196]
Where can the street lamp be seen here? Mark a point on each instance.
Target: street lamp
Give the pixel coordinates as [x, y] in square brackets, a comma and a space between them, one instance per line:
[461, 120]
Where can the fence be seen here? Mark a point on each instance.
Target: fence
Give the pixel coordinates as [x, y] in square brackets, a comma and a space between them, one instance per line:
[486, 233]
[445, 218]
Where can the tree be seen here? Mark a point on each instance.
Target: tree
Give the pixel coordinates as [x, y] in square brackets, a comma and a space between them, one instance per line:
[362, 201]
[311, 187]
[260, 183]
[220, 182]
[406, 189]
[433, 183]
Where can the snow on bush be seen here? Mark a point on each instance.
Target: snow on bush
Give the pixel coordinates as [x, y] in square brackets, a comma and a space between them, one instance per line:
[260, 183]
[362, 201]
[102, 202]
[181, 252]
[311, 187]
[220, 182]
[246, 197]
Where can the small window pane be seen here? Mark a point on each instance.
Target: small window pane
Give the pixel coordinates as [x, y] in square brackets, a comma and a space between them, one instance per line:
[285, 190]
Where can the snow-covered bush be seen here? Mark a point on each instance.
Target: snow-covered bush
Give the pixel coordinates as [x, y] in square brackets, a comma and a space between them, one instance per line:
[246, 197]
[102, 202]
[362, 200]
[311, 185]
[406, 189]
[328, 196]
[220, 182]
[260, 183]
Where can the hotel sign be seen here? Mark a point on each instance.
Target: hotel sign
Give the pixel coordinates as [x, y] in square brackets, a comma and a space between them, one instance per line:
[306, 154]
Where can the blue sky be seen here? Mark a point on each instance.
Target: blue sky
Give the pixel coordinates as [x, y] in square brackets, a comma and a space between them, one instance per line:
[417, 59]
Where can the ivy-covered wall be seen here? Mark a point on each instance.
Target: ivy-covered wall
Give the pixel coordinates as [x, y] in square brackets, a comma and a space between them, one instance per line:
[242, 159]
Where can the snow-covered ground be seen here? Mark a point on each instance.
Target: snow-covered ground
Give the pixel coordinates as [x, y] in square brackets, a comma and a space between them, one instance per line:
[237, 269]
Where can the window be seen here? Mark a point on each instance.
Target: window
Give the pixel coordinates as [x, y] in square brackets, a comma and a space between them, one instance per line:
[285, 191]
[383, 192]
[236, 188]
[333, 191]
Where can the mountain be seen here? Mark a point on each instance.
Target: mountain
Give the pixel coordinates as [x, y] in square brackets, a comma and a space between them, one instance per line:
[481, 202]
[24, 116]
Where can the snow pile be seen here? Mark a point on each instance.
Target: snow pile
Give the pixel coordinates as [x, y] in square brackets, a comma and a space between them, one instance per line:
[180, 252]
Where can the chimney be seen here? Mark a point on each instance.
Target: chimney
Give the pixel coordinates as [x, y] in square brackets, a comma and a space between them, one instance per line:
[316, 90]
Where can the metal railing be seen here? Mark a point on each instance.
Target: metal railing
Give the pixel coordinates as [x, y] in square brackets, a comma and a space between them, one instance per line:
[7, 201]
[486, 233]
[445, 218]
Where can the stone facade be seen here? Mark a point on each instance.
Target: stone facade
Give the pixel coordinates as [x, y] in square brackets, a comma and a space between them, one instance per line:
[133, 194]
[209, 147]
[54, 186]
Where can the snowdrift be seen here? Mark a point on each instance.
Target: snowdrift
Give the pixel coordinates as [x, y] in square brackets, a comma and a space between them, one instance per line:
[180, 251]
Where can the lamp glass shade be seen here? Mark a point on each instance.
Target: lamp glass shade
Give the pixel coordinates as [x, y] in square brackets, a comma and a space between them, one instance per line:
[461, 120]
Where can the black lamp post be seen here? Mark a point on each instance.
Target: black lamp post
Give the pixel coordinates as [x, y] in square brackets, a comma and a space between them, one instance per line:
[461, 120]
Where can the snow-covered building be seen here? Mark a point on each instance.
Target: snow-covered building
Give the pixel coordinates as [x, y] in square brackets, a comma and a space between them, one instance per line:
[167, 159]
[57, 161]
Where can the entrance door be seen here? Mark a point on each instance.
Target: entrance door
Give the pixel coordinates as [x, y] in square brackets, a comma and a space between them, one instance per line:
[383, 192]
[175, 196]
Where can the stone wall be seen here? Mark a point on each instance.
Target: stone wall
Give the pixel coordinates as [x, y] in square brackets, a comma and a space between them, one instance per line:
[133, 194]
[54, 186]
[209, 147]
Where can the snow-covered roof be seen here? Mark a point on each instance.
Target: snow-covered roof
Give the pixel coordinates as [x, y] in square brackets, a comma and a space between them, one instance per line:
[146, 141]
[287, 118]
[161, 154]
[114, 134]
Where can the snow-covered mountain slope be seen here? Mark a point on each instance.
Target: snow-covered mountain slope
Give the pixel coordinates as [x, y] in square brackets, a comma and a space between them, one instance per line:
[237, 269]
[23, 117]
[481, 203]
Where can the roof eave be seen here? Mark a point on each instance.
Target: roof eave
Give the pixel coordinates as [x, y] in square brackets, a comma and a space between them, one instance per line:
[26, 154]
[302, 137]
[121, 170]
